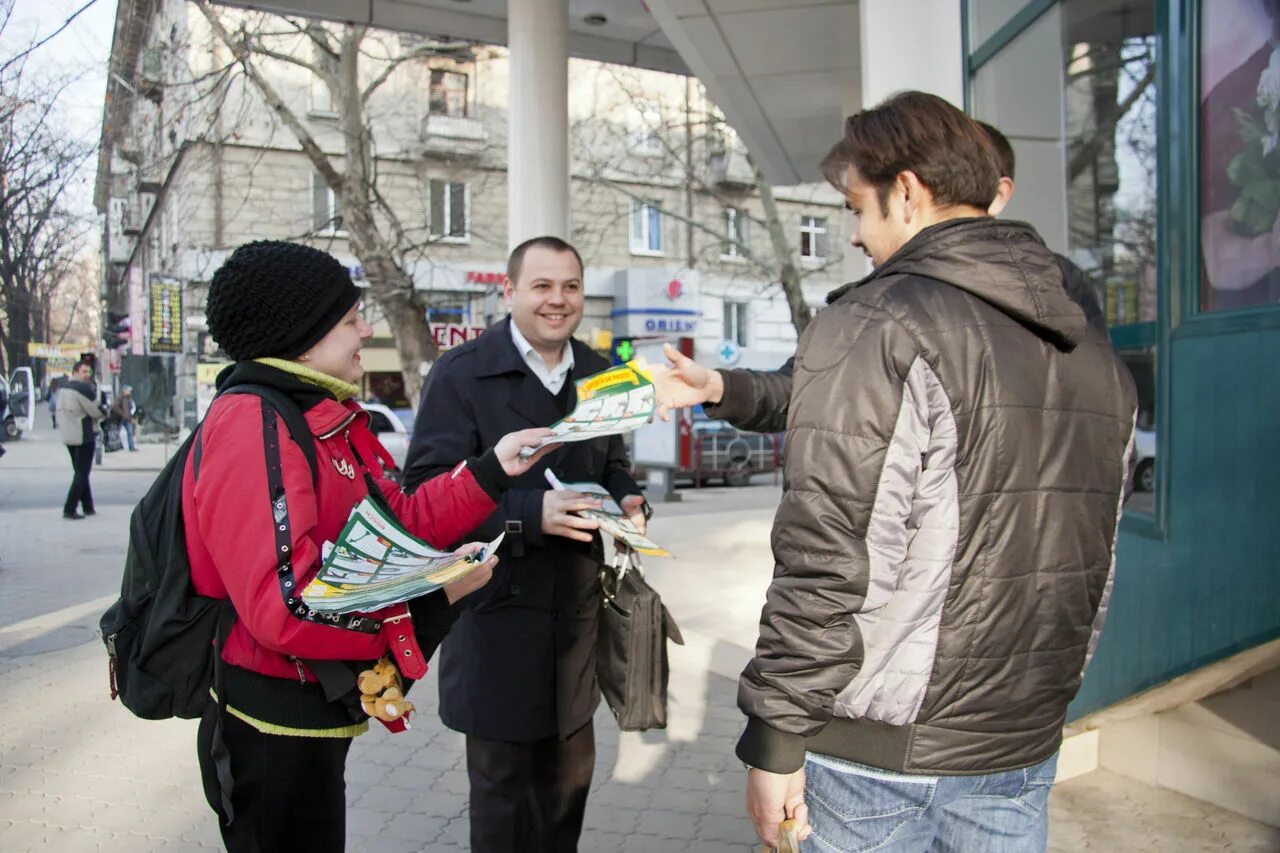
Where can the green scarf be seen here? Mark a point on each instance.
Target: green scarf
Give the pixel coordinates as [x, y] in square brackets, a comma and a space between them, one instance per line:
[336, 387]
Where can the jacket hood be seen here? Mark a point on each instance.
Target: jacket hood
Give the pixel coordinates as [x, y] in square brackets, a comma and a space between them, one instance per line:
[321, 409]
[85, 389]
[1003, 263]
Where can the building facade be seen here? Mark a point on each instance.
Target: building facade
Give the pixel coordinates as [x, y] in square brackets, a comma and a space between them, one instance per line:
[196, 162]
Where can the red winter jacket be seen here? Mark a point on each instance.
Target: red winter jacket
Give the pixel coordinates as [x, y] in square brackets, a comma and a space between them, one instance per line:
[230, 531]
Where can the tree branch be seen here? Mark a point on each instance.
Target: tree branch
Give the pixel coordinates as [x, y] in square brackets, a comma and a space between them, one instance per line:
[309, 145]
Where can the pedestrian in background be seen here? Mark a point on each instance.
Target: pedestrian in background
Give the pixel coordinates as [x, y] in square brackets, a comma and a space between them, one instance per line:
[125, 408]
[80, 413]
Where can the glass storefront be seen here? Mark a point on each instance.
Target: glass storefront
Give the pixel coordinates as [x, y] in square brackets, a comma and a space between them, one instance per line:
[1076, 91]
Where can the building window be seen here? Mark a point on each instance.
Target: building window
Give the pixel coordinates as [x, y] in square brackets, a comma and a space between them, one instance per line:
[735, 322]
[448, 93]
[646, 228]
[1239, 152]
[735, 243]
[326, 207]
[813, 238]
[646, 134]
[322, 101]
[449, 210]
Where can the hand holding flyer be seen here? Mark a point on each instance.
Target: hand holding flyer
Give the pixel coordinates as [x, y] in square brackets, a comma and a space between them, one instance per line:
[376, 563]
[611, 517]
[611, 402]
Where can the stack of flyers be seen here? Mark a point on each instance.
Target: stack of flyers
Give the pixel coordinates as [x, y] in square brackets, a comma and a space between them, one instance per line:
[611, 402]
[376, 563]
[612, 519]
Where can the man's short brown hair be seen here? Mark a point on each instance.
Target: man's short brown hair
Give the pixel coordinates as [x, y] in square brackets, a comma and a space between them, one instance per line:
[1004, 151]
[555, 244]
[919, 133]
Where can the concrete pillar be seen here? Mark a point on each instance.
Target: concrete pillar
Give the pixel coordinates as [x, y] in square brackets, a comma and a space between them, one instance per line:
[538, 130]
[899, 53]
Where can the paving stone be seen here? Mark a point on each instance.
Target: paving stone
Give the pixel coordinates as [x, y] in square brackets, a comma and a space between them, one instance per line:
[668, 824]
[718, 827]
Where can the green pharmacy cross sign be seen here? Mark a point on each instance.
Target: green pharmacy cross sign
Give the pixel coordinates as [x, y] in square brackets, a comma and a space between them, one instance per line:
[624, 349]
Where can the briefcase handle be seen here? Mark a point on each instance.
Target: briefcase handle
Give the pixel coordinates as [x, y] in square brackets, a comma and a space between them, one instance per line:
[624, 560]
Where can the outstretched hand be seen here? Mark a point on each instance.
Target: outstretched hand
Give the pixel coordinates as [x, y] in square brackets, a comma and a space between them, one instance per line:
[509, 446]
[684, 384]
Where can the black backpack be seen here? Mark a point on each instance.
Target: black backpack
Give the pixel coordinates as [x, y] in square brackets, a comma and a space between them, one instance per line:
[163, 639]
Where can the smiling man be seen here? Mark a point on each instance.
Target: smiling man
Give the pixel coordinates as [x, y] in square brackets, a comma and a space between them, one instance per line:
[517, 675]
[956, 454]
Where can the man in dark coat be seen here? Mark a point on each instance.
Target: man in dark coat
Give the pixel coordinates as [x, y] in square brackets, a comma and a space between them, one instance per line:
[517, 673]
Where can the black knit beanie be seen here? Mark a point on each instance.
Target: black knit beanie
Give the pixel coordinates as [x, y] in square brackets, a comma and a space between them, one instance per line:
[277, 299]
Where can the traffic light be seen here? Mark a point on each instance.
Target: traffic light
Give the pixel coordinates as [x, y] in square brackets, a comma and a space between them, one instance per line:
[116, 332]
[624, 349]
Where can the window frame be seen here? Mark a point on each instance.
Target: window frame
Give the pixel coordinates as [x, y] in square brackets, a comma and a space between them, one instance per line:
[330, 225]
[736, 222]
[446, 234]
[814, 231]
[641, 212]
[444, 74]
[740, 311]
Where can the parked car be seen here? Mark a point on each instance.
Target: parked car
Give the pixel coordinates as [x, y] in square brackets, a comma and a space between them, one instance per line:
[722, 450]
[20, 404]
[1144, 466]
[388, 425]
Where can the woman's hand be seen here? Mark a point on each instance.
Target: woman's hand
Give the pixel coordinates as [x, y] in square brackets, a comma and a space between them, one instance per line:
[509, 446]
[474, 579]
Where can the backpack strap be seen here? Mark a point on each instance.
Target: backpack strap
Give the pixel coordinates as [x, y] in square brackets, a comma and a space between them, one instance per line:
[284, 540]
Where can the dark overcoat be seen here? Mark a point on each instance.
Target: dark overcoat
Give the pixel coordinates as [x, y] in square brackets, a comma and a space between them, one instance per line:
[519, 664]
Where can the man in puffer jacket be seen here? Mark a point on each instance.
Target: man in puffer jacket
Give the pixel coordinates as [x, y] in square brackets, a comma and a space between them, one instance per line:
[957, 446]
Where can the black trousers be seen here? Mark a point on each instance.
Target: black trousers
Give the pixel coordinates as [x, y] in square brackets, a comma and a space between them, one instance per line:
[79, 494]
[530, 797]
[288, 793]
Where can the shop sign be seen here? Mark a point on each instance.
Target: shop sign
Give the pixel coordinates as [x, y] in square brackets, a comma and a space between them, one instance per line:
[57, 351]
[164, 329]
[450, 335]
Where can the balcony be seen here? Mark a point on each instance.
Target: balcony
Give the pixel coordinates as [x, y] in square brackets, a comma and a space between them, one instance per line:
[453, 136]
[730, 169]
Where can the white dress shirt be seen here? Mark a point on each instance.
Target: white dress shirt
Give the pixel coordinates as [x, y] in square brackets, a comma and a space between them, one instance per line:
[552, 378]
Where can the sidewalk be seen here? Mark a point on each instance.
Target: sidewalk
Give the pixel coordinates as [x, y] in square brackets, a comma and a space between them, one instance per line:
[78, 772]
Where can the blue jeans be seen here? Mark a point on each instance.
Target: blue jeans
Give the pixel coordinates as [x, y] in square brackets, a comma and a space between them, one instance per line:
[128, 431]
[854, 808]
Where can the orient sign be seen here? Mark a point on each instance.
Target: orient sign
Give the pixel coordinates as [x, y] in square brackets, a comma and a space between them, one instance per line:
[450, 335]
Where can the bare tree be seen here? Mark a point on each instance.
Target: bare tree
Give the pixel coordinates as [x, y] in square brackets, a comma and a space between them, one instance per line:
[353, 70]
[39, 235]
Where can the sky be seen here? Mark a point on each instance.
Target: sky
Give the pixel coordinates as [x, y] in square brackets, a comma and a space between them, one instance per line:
[79, 52]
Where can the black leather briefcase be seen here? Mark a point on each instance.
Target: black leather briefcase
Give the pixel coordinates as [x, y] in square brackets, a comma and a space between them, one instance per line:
[631, 663]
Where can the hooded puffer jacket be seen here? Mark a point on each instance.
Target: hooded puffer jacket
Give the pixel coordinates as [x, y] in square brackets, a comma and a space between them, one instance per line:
[956, 457]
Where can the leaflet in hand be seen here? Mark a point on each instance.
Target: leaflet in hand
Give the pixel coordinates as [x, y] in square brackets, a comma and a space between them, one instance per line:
[611, 402]
[612, 519]
[376, 563]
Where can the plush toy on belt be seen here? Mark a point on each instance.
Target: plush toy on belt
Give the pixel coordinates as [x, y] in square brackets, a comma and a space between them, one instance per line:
[381, 696]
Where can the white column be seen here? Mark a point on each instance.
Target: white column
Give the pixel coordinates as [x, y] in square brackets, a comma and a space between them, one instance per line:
[911, 44]
[538, 129]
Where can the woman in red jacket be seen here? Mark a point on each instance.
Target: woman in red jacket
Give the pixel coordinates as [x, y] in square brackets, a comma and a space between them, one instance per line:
[273, 749]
